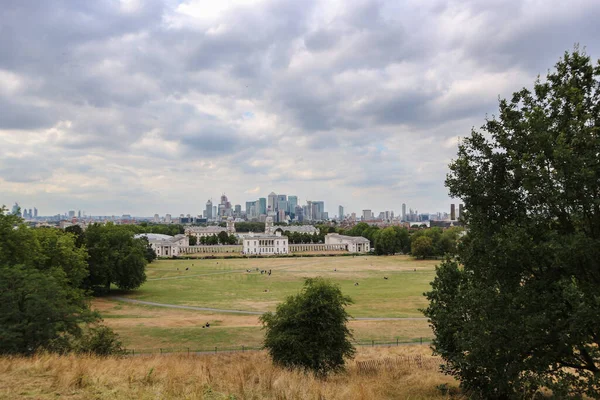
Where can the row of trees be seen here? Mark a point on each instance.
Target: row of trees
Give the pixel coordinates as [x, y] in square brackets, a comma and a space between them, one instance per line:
[221, 238]
[45, 278]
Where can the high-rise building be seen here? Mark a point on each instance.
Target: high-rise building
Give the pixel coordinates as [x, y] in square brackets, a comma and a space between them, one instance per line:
[299, 212]
[168, 218]
[282, 205]
[262, 206]
[281, 216]
[403, 212]
[238, 210]
[272, 202]
[340, 213]
[209, 210]
[308, 211]
[251, 208]
[292, 203]
[214, 212]
[30, 216]
[319, 209]
[452, 212]
[35, 212]
[72, 214]
[79, 214]
[16, 210]
[367, 215]
[460, 211]
[156, 218]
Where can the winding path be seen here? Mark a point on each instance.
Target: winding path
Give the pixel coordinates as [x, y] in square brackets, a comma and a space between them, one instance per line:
[219, 310]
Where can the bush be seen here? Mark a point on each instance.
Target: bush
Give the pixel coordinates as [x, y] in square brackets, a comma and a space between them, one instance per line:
[309, 331]
[99, 340]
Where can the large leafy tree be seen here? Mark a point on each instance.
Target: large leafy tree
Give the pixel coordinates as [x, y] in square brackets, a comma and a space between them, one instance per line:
[115, 257]
[41, 303]
[520, 308]
[309, 330]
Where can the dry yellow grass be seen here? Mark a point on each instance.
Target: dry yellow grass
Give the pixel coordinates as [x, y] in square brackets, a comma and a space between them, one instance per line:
[233, 376]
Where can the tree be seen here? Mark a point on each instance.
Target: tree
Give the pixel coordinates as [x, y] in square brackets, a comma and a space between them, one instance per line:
[523, 309]
[309, 329]
[422, 247]
[193, 240]
[78, 233]
[115, 257]
[386, 242]
[223, 237]
[38, 308]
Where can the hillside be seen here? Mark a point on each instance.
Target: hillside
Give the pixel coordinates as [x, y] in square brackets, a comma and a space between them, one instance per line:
[233, 376]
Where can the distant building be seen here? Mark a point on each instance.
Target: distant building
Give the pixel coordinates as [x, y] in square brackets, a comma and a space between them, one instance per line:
[403, 212]
[367, 215]
[262, 206]
[341, 213]
[272, 201]
[265, 244]
[168, 218]
[452, 212]
[356, 244]
[165, 245]
[292, 203]
[35, 212]
[72, 214]
[460, 211]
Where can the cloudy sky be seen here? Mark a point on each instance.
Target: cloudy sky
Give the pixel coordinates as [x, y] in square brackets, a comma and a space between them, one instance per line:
[155, 106]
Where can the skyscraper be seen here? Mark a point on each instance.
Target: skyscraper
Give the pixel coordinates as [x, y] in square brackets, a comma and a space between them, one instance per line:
[340, 213]
[209, 209]
[272, 202]
[367, 215]
[460, 211]
[292, 203]
[35, 212]
[72, 214]
[15, 209]
[262, 206]
[319, 209]
[403, 212]
[452, 212]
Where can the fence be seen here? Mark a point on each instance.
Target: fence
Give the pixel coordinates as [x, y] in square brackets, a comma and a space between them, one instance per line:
[243, 348]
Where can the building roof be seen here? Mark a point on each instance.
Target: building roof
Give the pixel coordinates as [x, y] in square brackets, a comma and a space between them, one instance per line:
[206, 229]
[353, 239]
[264, 236]
[154, 236]
[298, 228]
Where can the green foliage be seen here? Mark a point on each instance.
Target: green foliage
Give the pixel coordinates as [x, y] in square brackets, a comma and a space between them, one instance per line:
[99, 340]
[524, 310]
[37, 308]
[422, 247]
[249, 226]
[115, 257]
[386, 242]
[78, 233]
[309, 329]
[223, 237]
[193, 240]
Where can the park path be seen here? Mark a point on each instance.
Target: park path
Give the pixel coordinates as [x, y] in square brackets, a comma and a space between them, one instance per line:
[219, 310]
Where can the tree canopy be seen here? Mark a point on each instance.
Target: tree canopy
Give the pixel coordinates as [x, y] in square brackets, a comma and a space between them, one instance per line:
[309, 330]
[522, 309]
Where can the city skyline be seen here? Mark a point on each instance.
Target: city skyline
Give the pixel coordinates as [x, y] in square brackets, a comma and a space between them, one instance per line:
[149, 106]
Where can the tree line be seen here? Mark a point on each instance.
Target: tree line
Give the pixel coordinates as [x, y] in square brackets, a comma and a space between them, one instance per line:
[47, 277]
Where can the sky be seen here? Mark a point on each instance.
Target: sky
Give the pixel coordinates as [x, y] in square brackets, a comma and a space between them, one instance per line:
[147, 106]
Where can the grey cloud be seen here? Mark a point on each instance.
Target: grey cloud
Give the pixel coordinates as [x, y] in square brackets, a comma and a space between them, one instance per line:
[24, 170]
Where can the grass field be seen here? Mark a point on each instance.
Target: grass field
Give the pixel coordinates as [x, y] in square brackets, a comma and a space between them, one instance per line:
[232, 376]
[225, 284]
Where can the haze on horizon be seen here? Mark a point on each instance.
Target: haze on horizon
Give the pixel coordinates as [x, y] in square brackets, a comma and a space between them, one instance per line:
[150, 106]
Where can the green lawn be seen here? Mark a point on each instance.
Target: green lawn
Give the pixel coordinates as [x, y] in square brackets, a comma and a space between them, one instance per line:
[226, 284]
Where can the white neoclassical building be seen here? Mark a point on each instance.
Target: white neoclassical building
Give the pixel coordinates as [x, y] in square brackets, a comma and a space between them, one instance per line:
[356, 244]
[200, 231]
[270, 228]
[165, 245]
[265, 244]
